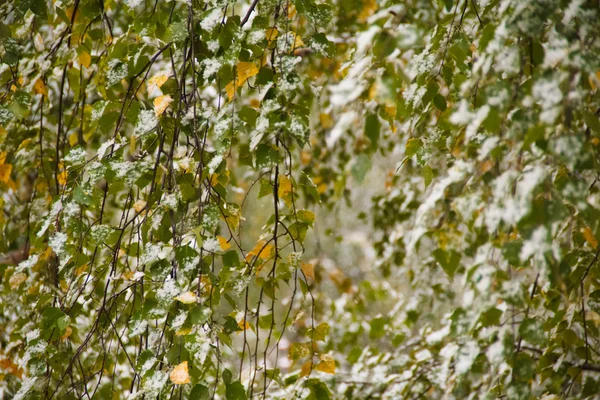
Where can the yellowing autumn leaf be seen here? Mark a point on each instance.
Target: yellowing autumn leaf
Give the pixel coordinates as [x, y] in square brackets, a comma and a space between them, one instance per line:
[298, 351]
[161, 103]
[17, 279]
[369, 7]
[223, 243]
[230, 90]
[298, 42]
[285, 190]
[306, 368]
[589, 237]
[62, 175]
[158, 80]
[40, 87]
[85, 59]
[243, 324]
[271, 34]
[187, 298]
[254, 103]
[308, 269]
[180, 374]
[5, 170]
[73, 138]
[183, 331]
[2, 157]
[327, 364]
[67, 334]
[139, 205]
[260, 250]
[245, 70]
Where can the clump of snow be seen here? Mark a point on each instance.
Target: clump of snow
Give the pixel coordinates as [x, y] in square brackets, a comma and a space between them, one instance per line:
[211, 20]
[56, 208]
[352, 85]
[345, 121]
[75, 156]
[466, 356]
[146, 122]
[211, 67]
[103, 147]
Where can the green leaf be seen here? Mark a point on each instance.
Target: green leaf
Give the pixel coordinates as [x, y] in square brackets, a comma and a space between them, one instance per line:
[439, 102]
[378, 328]
[200, 392]
[319, 15]
[361, 166]
[449, 261]
[318, 390]
[413, 146]
[235, 391]
[320, 332]
[592, 121]
[319, 43]
[427, 173]
[372, 129]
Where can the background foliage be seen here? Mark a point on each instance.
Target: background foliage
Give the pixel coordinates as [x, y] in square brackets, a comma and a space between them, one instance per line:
[279, 199]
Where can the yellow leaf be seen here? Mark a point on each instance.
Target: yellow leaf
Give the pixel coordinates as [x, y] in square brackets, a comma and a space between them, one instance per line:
[73, 138]
[390, 110]
[298, 351]
[308, 269]
[214, 179]
[5, 170]
[271, 34]
[261, 250]
[223, 243]
[298, 42]
[327, 364]
[132, 146]
[305, 157]
[180, 374]
[85, 59]
[206, 285]
[254, 103]
[80, 270]
[589, 237]
[2, 157]
[62, 175]
[40, 88]
[183, 332]
[245, 70]
[161, 103]
[285, 190]
[306, 368]
[326, 120]
[158, 80]
[68, 332]
[17, 279]
[230, 89]
[291, 11]
[139, 205]
[243, 325]
[13, 88]
[46, 254]
[187, 298]
[369, 8]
